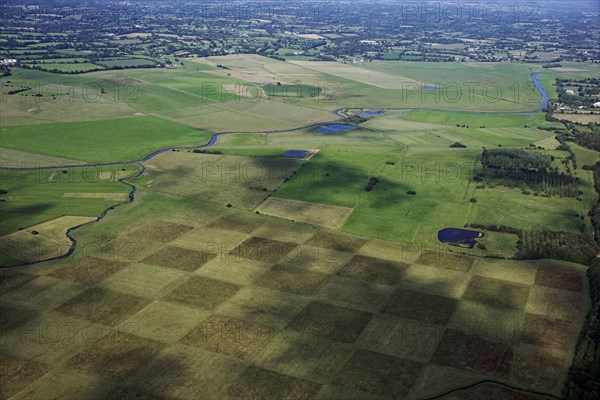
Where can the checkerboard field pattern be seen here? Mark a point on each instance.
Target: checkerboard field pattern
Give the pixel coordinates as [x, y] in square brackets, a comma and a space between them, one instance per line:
[320, 315]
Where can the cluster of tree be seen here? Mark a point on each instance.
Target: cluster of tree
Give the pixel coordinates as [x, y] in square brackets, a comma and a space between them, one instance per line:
[202, 151]
[495, 228]
[588, 137]
[458, 145]
[527, 170]
[566, 246]
[371, 184]
[595, 211]
[4, 70]
[508, 159]
[582, 378]
[17, 91]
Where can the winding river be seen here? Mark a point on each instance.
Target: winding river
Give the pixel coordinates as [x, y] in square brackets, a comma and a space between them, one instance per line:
[213, 139]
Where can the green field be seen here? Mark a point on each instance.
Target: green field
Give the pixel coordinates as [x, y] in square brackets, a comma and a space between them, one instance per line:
[102, 141]
[65, 67]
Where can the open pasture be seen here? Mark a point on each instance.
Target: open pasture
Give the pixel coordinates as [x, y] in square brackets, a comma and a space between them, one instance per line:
[243, 182]
[102, 141]
[306, 212]
[359, 74]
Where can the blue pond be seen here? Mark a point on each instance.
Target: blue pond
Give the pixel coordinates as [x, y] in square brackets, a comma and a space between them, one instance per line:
[424, 87]
[333, 128]
[459, 237]
[294, 153]
[370, 113]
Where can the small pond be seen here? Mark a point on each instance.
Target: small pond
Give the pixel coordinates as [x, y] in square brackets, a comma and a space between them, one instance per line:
[333, 128]
[294, 153]
[459, 237]
[370, 113]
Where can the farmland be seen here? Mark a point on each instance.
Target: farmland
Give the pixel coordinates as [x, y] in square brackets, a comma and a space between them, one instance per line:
[236, 271]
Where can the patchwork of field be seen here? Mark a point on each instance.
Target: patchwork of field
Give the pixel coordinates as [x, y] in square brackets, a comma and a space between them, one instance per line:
[198, 298]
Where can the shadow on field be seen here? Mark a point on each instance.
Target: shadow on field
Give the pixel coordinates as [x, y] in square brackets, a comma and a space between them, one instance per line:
[11, 214]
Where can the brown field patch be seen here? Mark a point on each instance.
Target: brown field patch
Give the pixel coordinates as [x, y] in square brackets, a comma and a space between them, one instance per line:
[549, 143]
[17, 373]
[404, 338]
[336, 392]
[101, 305]
[238, 223]
[210, 240]
[284, 230]
[203, 293]
[263, 306]
[261, 249]
[43, 293]
[13, 317]
[50, 338]
[162, 231]
[228, 336]
[10, 280]
[178, 258]
[422, 278]
[496, 324]
[126, 393]
[473, 353]
[446, 260]
[559, 278]
[548, 332]
[375, 270]
[330, 322]
[318, 259]
[50, 240]
[421, 306]
[388, 250]
[539, 368]
[379, 373]
[336, 241]
[66, 383]
[354, 293]
[260, 384]
[555, 303]
[318, 214]
[116, 355]
[579, 118]
[522, 272]
[237, 271]
[317, 360]
[497, 293]
[492, 391]
[166, 322]
[144, 280]
[89, 271]
[292, 280]
[184, 372]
